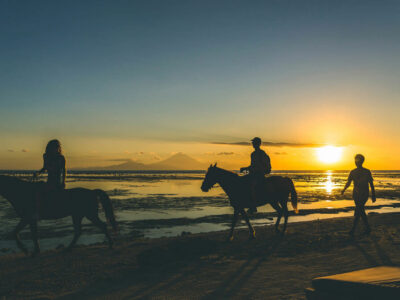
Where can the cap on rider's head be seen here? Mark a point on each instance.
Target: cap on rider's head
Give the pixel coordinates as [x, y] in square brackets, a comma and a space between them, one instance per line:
[256, 141]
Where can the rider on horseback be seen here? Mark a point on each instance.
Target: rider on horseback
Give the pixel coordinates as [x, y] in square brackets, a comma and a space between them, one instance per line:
[54, 164]
[260, 165]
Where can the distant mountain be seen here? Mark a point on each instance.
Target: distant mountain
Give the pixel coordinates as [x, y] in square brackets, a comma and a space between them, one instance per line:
[177, 161]
[125, 166]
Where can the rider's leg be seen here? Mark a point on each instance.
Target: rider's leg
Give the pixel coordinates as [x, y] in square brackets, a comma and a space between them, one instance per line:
[253, 197]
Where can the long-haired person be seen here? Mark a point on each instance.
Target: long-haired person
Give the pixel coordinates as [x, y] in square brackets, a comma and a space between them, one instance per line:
[54, 165]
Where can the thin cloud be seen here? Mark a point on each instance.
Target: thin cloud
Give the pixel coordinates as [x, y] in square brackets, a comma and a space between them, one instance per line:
[25, 150]
[225, 153]
[119, 159]
[10, 150]
[272, 144]
[280, 153]
[154, 156]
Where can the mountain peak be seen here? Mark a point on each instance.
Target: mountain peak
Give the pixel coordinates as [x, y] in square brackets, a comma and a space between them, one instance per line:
[178, 161]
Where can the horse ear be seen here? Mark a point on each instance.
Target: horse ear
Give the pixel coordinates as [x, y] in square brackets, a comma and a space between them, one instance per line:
[210, 166]
[215, 165]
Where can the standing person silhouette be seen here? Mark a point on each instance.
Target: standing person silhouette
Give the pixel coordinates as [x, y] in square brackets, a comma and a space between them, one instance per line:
[54, 164]
[361, 178]
[260, 165]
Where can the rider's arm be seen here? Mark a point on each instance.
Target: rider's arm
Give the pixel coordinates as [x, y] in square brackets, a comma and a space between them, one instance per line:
[267, 163]
[371, 183]
[44, 168]
[64, 170]
[251, 164]
[347, 183]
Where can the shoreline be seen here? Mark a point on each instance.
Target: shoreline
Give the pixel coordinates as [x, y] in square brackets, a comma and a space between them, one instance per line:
[204, 266]
[51, 237]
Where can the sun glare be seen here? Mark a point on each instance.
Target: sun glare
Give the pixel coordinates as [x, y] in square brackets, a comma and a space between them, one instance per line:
[329, 154]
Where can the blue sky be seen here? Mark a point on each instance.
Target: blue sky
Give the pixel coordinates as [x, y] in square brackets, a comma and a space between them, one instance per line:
[197, 71]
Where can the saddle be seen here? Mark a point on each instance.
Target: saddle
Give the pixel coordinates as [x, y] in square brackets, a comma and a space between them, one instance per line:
[47, 198]
[264, 189]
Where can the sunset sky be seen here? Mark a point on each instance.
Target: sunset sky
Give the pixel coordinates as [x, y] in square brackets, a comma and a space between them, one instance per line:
[141, 80]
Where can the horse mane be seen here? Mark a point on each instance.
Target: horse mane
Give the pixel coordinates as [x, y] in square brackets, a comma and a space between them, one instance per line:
[227, 172]
[12, 180]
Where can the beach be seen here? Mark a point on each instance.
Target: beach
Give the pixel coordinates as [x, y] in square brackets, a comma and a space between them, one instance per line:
[149, 127]
[205, 265]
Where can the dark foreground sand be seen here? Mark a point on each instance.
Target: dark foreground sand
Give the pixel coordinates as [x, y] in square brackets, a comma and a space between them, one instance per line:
[204, 266]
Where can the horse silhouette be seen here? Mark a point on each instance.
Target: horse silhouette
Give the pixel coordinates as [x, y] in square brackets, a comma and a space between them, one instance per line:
[77, 203]
[275, 191]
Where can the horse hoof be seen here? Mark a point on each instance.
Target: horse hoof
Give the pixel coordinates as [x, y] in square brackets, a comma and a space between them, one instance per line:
[252, 236]
[277, 231]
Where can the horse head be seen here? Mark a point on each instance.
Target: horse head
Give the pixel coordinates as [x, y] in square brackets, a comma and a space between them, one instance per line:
[210, 179]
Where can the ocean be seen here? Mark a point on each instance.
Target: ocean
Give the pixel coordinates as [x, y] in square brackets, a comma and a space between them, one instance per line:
[151, 204]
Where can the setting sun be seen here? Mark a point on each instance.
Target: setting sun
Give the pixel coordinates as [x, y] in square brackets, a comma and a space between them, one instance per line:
[329, 154]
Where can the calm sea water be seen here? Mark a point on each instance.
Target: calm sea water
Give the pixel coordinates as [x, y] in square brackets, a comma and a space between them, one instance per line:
[156, 204]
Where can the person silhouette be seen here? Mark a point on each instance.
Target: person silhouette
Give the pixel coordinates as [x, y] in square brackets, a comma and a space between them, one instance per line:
[260, 166]
[54, 164]
[361, 178]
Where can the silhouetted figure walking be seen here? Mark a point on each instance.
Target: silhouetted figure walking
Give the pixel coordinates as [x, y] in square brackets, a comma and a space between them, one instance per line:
[260, 165]
[361, 178]
[54, 164]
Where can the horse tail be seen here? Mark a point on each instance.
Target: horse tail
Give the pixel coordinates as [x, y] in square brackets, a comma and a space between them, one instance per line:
[293, 195]
[108, 208]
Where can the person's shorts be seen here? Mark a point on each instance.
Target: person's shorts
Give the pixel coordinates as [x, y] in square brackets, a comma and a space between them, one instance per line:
[360, 199]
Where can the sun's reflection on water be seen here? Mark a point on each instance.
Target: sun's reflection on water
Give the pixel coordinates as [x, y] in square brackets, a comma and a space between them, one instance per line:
[328, 184]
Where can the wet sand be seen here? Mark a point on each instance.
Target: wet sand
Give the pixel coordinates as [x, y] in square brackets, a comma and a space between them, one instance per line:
[204, 266]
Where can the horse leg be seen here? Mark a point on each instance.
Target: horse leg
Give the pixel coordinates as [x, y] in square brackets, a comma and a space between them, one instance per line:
[234, 220]
[278, 209]
[103, 226]
[252, 232]
[77, 221]
[286, 216]
[33, 226]
[21, 225]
